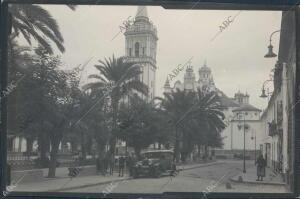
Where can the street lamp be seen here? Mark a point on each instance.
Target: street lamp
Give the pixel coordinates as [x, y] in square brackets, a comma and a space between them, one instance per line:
[270, 53]
[263, 90]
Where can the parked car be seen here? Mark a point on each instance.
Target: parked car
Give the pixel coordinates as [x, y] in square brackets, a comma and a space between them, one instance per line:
[154, 164]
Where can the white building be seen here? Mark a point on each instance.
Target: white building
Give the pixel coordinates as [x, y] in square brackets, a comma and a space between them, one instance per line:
[233, 108]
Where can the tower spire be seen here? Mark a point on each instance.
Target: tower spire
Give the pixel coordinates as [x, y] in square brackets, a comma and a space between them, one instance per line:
[142, 13]
[205, 62]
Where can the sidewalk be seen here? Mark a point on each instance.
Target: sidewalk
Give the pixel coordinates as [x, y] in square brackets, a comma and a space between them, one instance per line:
[64, 183]
[250, 177]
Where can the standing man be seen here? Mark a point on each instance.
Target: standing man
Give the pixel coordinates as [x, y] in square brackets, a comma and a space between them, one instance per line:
[121, 166]
[261, 167]
[112, 164]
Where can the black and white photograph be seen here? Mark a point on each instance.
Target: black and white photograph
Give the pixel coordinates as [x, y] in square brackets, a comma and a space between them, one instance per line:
[141, 99]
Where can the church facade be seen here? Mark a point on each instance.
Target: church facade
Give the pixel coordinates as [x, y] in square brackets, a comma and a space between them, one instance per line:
[239, 113]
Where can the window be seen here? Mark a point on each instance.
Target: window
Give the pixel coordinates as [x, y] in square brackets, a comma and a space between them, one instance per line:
[130, 52]
[137, 49]
[143, 50]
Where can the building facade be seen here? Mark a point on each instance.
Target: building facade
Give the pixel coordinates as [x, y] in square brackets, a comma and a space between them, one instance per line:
[278, 120]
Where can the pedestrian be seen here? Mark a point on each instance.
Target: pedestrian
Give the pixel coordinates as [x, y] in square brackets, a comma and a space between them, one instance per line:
[121, 166]
[98, 164]
[106, 163]
[261, 167]
[112, 164]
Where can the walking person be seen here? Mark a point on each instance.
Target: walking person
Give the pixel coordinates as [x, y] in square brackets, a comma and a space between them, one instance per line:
[105, 164]
[112, 164]
[261, 167]
[121, 166]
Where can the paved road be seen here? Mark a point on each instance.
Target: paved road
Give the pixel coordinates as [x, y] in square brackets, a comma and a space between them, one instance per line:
[210, 179]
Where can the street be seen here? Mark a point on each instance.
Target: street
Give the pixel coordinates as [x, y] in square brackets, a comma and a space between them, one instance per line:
[204, 179]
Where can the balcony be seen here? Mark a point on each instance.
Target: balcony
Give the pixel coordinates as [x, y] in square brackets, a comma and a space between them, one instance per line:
[273, 128]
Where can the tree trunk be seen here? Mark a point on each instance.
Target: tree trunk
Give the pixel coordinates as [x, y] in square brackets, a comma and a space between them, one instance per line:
[43, 149]
[53, 156]
[176, 147]
[74, 145]
[89, 145]
[83, 147]
[113, 140]
[29, 145]
[199, 150]
[206, 151]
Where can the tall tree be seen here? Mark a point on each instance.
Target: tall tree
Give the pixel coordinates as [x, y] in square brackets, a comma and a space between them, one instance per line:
[121, 76]
[178, 106]
[33, 21]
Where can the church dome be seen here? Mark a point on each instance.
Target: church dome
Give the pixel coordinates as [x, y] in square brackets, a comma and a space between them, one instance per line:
[204, 68]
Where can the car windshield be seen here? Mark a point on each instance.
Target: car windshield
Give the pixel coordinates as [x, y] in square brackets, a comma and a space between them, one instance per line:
[152, 155]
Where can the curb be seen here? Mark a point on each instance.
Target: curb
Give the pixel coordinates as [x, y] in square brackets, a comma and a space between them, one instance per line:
[204, 165]
[89, 185]
[256, 182]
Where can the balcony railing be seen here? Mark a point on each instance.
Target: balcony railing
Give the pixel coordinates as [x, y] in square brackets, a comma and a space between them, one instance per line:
[141, 59]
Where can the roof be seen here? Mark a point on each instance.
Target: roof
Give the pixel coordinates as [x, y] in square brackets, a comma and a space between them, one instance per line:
[226, 101]
[246, 107]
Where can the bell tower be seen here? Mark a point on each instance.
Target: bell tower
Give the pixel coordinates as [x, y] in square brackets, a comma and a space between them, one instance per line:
[140, 47]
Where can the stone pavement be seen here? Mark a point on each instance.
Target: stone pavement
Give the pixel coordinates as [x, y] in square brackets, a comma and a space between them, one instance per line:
[63, 182]
[250, 177]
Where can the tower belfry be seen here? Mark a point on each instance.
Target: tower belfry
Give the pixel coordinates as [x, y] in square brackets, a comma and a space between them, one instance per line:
[140, 47]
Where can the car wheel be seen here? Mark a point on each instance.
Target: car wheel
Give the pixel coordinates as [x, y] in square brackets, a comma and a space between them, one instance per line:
[156, 173]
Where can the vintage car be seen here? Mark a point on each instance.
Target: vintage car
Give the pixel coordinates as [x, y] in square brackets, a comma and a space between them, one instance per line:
[154, 164]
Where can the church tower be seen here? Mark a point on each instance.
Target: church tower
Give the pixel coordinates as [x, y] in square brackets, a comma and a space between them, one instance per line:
[206, 80]
[140, 47]
[189, 79]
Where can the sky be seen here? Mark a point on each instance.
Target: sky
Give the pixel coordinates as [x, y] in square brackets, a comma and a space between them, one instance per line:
[235, 56]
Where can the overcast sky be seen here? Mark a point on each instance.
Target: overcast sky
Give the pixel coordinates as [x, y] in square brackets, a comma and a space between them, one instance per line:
[236, 56]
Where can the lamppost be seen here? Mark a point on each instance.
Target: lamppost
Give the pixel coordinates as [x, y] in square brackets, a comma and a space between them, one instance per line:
[244, 128]
[265, 94]
[270, 53]
[254, 144]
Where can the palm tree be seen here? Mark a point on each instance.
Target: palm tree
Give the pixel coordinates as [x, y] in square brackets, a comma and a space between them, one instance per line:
[122, 76]
[192, 113]
[141, 124]
[33, 21]
[177, 106]
[209, 118]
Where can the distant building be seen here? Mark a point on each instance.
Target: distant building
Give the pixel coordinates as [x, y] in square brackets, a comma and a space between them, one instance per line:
[233, 108]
